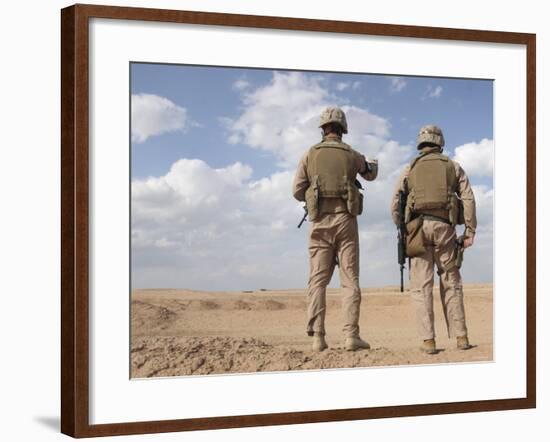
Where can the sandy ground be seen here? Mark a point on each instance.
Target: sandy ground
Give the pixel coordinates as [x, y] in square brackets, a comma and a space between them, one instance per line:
[184, 332]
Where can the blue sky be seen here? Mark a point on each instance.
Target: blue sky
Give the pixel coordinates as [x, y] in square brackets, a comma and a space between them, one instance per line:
[195, 124]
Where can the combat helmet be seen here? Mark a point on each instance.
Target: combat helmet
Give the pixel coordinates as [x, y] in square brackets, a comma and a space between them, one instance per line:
[334, 115]
[430, 134]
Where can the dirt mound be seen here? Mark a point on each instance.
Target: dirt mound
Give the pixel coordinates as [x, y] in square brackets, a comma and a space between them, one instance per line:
[147, 318]
[269, 304]
[147, 311]
[178, 356]
[207, 305]
[241, 305]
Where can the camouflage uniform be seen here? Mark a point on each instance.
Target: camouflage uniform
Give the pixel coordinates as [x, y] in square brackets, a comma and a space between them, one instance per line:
[440, 250]
[333, 238]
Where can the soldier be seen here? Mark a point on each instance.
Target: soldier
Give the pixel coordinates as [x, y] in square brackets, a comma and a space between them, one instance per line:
[326, 181]
[439, 197]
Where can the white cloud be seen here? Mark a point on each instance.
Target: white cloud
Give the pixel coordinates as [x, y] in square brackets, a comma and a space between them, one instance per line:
[477, 159]
[478, 260]
[188, 186]
[356, 85]
[341, 86]
[433, 92]
[397, 84]
[436, 93]
[484, 196]
[241, 84]
[282, 117]
[154, 115]
[199, 227]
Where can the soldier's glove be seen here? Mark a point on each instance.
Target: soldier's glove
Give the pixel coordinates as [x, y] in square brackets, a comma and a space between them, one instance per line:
[468, 241]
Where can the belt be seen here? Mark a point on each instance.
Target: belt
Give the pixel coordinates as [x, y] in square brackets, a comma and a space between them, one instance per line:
[435, 218]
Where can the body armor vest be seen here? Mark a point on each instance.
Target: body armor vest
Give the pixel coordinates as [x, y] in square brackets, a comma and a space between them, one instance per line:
[432, 185]
[332, 170]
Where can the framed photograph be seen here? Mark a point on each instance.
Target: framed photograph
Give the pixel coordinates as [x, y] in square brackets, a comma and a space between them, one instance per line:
[197, 293]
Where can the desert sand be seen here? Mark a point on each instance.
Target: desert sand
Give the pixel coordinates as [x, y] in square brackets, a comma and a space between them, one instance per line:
[183, 332]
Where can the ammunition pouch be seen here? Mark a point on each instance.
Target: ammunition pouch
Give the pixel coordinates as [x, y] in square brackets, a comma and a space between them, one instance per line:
[312, 199]
[415, 238]
[354, 200]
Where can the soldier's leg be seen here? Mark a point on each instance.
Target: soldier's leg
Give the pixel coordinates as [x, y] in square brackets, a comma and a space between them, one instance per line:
[452, 297]
[321, 266]
[347, 246]
[422, 282]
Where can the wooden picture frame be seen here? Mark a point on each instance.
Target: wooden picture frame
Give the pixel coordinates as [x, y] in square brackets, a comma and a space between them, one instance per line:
[75, 380]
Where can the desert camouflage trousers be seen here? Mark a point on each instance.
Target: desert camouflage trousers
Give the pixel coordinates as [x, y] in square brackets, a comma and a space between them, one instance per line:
[334, 238]
[440, 241]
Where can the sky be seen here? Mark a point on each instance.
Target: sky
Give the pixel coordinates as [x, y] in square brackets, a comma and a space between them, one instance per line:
[214, 151]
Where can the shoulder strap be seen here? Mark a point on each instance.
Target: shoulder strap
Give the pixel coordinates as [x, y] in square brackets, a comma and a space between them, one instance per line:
[414, 161]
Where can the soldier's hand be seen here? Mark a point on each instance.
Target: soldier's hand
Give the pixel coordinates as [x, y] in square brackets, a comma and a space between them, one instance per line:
[362, 164]
[468, 242]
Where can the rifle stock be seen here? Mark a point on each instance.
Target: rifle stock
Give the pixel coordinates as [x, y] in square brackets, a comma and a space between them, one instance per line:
[304, 217]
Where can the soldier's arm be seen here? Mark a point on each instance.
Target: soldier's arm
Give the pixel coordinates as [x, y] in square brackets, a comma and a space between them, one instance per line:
[301, 181]
[368, 169]
[400, 186]
[466, 194]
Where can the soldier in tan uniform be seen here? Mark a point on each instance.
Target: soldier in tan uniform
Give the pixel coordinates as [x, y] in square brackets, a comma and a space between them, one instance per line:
[439, 196]
[326, 181]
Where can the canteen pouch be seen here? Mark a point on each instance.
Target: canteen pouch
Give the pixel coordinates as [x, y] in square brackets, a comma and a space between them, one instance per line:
[415, 238]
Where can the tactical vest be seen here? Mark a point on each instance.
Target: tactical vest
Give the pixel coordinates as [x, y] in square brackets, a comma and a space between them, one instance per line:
[432, 186]
[332, 169]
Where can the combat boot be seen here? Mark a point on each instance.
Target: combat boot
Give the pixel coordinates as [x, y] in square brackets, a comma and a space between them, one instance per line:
[319, 343]
[462, 343]
[355, 343]
[428, 346]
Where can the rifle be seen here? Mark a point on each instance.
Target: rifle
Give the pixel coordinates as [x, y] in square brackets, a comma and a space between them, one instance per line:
[401, 234]
[304, 218]
[459, 251]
